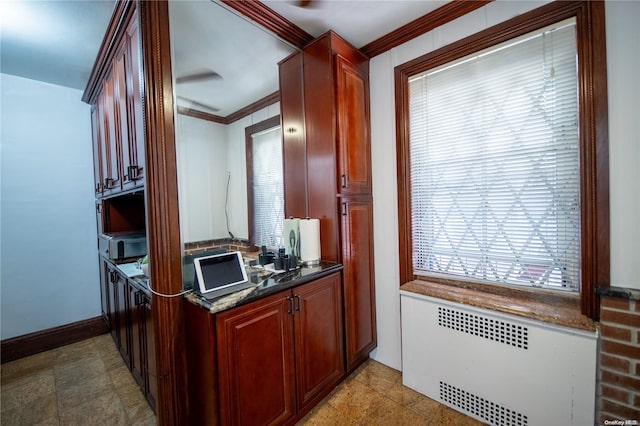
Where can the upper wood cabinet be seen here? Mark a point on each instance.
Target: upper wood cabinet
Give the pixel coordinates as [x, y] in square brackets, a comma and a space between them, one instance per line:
[117, 119]
[354, 146]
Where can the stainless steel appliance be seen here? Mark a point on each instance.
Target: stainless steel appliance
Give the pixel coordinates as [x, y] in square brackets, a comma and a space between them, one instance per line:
[122, 245]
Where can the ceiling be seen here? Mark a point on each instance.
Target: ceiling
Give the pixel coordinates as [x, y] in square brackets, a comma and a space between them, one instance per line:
[52, 41]
[57, 41]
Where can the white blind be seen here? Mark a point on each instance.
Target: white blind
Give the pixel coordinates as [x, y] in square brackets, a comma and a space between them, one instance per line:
[495, 179]
[268, 187]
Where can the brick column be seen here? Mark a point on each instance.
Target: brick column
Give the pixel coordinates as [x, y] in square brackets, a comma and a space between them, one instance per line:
[619, 361]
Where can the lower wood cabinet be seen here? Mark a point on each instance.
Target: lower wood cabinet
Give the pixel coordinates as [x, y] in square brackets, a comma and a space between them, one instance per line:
[128, 310]
[267, 362]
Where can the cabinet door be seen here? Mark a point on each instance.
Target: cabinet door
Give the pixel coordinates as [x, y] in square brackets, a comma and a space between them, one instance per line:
[359, 291]
[105, 291]
[354, 147]
[112, 293]
[109, 145]
[136, 160]
[122, 322]
[121, 113]
[256, 362]
[136, 330]
[97, 146]
[318, 330]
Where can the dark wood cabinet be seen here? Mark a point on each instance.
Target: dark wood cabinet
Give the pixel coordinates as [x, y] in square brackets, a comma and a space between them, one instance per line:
[337, 166]
[256, 363]
[269, 361]
[359, 291]
[97, 148]
[280, 355]
[121, 309]
[108, 147]
[354, 147]
[318, 328]
[136, 331]
[117, 118]
[127, 310]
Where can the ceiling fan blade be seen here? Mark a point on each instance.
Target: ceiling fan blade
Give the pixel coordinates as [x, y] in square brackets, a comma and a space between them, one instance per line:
[191, 104]
[304, 3]
[200, 76]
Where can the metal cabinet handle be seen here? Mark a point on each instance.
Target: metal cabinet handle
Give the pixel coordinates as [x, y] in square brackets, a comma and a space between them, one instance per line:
[290, 309]
[297, 304]
[344, 209]
[344, 181]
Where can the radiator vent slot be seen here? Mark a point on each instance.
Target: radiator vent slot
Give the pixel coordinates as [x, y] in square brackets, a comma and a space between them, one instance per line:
[492, 413]
[487, 328]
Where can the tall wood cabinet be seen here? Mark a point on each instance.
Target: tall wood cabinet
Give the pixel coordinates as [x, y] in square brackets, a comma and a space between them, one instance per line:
[337, 166]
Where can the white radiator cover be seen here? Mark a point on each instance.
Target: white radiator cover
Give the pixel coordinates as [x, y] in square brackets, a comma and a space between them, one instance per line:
[498, 368]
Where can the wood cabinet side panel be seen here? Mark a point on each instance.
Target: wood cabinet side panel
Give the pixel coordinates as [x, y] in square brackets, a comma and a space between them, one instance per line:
[202, 374]
[320, 121]
[293, 137]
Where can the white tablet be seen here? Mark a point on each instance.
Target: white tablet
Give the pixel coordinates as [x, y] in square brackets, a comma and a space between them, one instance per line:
[220, 274]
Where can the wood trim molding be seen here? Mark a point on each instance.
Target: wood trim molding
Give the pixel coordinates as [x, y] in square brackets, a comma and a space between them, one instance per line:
[52, 338]
[424, 24]
[241, 113]
[201, 115]
[256, 106]
[163, 227]
[593, 131]
[271, 21]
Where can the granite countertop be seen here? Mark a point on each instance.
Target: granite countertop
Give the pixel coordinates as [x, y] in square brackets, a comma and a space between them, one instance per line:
[266, 283]
[134, 275]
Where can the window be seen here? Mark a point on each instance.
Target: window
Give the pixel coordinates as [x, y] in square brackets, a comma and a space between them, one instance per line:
[501, 142]
[265, 183]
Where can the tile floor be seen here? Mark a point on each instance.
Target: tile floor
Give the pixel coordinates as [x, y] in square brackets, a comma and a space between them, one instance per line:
[87, 383]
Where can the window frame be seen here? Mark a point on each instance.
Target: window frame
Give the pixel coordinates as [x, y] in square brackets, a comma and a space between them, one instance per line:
[594, 133]
[267, 124]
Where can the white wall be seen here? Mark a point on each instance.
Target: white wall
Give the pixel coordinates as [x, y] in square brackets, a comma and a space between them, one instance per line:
[623, 68]
[202, 174]
[48, 253]
[623, 63]
[209, 153]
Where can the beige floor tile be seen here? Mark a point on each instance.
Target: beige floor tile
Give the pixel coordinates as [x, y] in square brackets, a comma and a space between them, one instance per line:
[104, 410]
[325, 414]
[446, 416]
[27, 389]
[38, 411]
[121, 377]
[80, 392]
[76, 370]
[354, 399]
[76, 351]
[29, 366]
